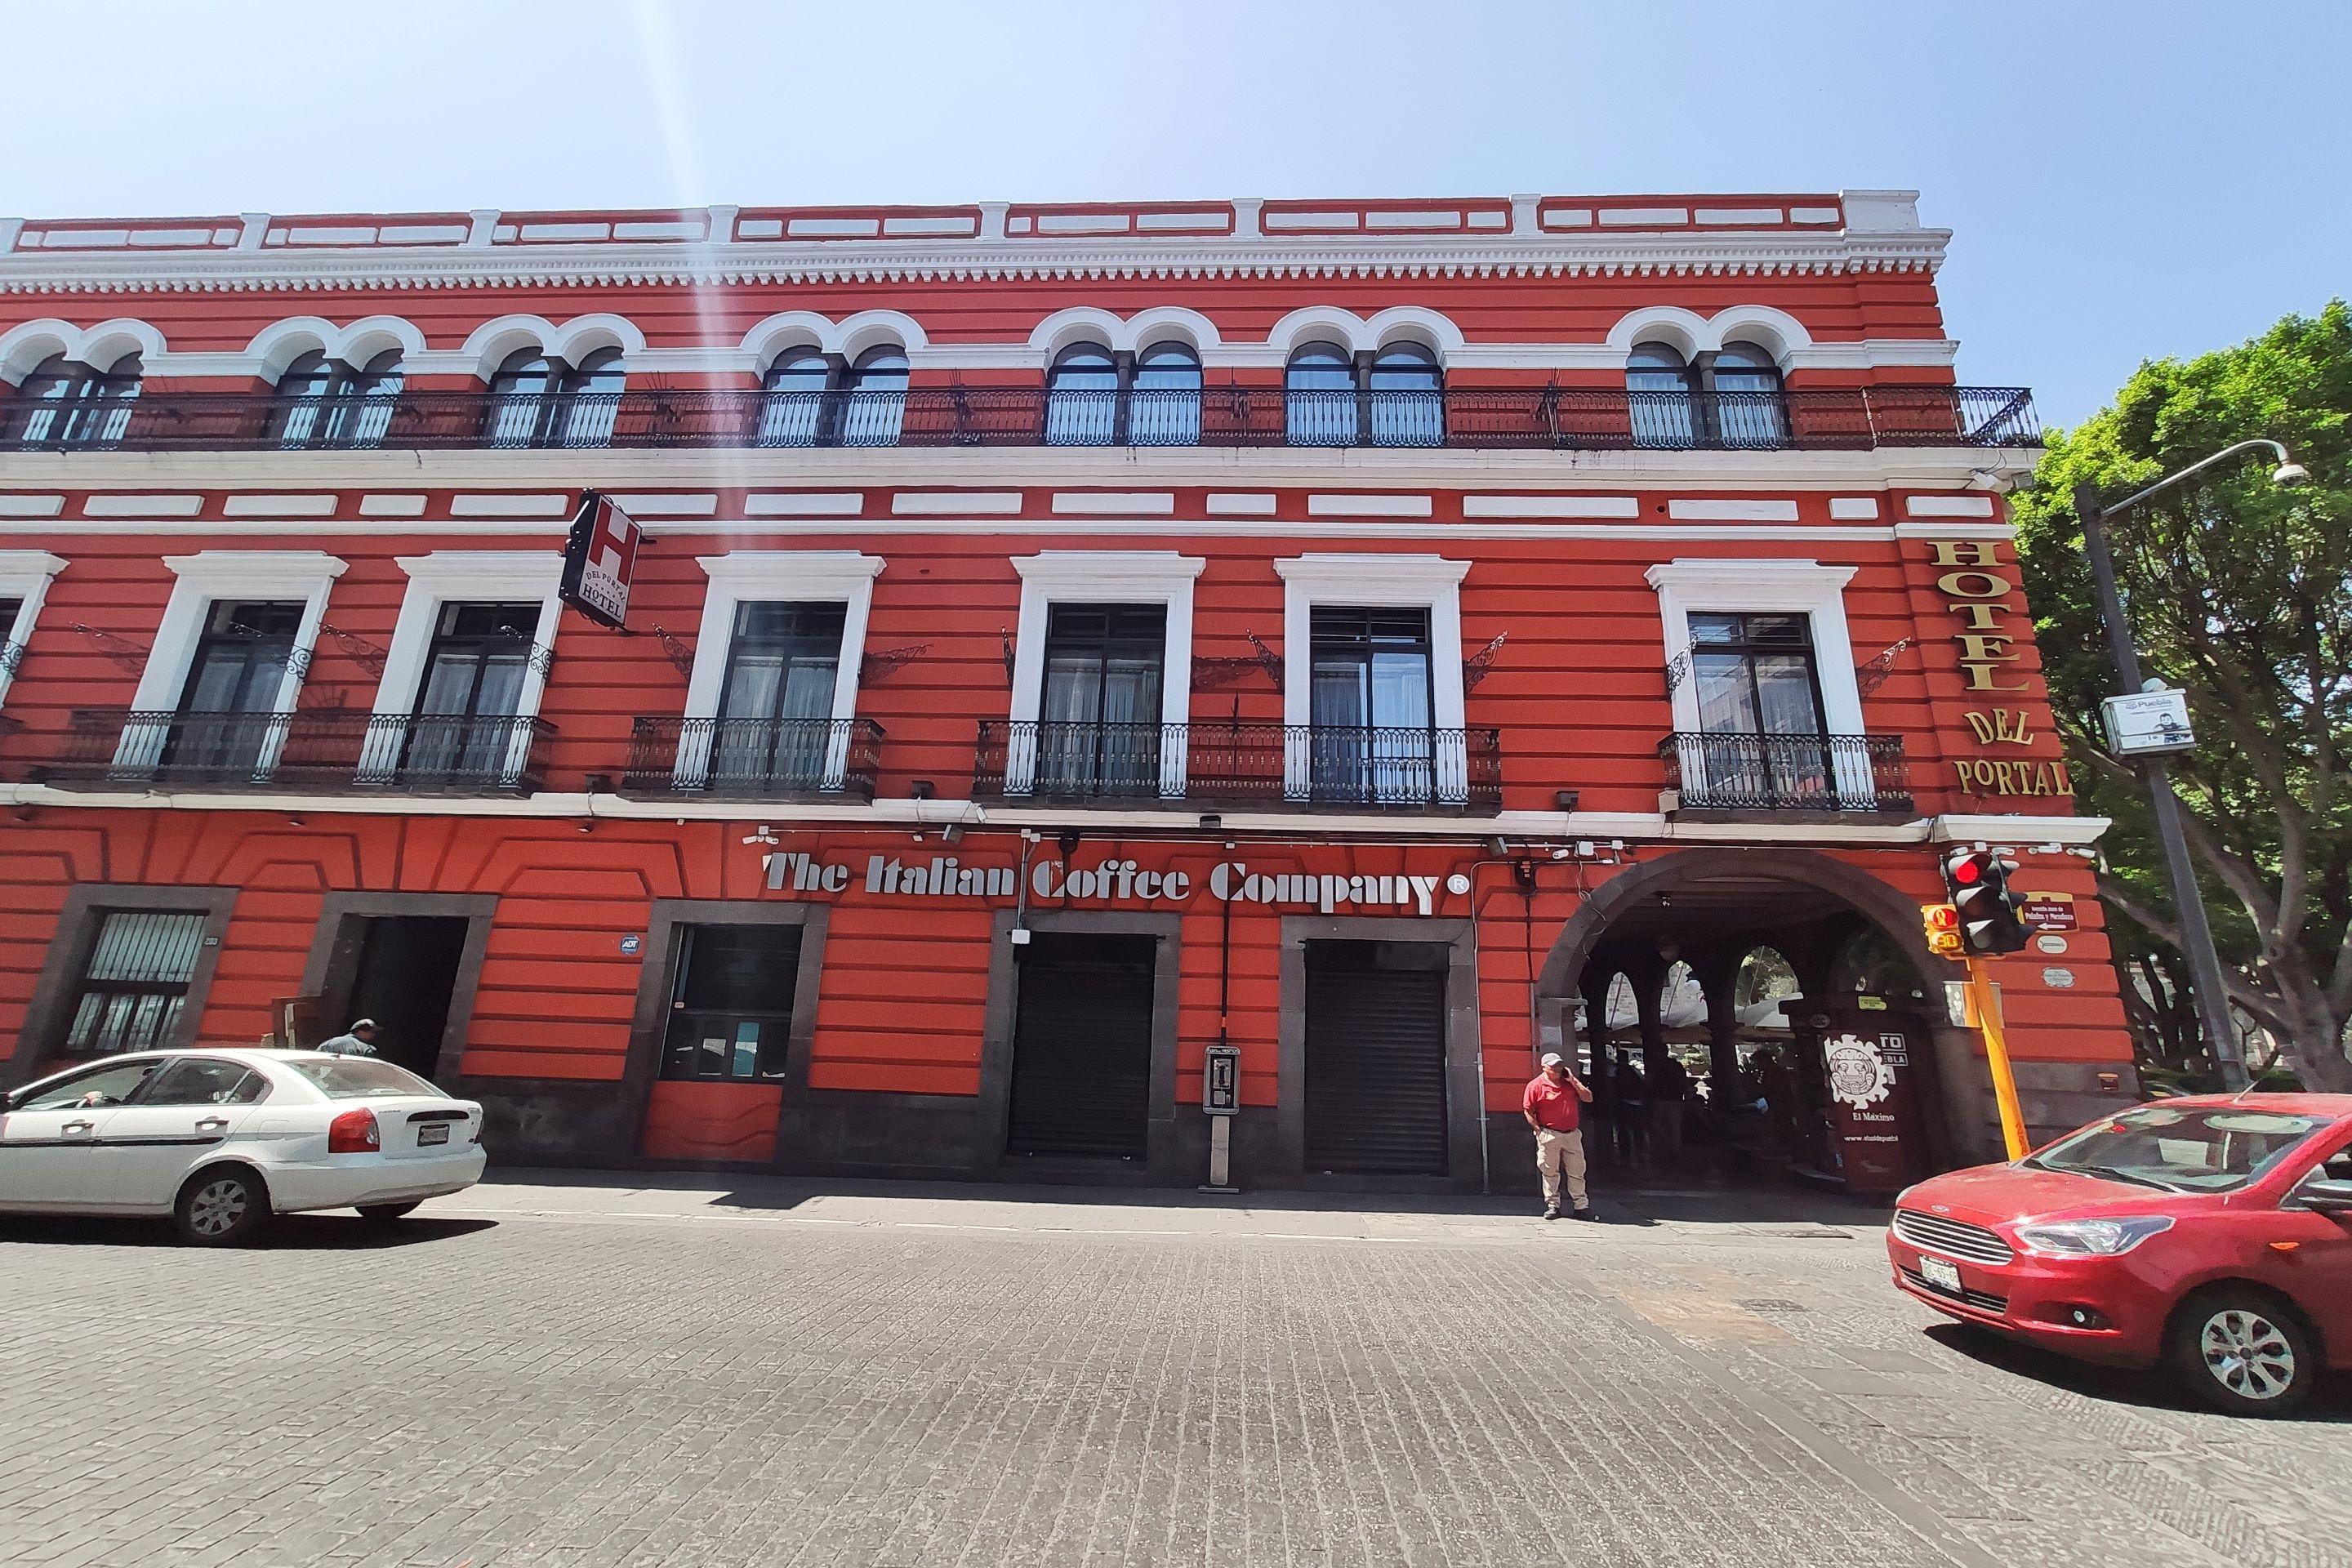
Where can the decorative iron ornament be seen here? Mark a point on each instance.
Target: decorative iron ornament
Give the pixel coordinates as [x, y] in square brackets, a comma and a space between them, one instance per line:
[681, 657]
[882, 666]
[1209, 673]
[12, 658]
[1869, 676]
[1475, 668]
[128, 655]
[541, 656]
[298, 664]
[1677, 671]
[367, 654]
[1267, 659]
[1004, 637]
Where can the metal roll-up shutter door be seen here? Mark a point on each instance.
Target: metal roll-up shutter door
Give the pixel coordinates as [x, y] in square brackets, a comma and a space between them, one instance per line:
[1376, 1057]
[1082, 1046]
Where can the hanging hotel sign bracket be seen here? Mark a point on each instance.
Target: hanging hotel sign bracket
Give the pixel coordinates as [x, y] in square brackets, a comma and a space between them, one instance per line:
[882, 666]
[128, 655]
[681, 657]
[369, 655]
[1871, 674]
[1475, 668]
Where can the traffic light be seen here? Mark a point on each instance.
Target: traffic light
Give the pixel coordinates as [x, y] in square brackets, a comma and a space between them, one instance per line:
[1942, 923]
[1987, 911]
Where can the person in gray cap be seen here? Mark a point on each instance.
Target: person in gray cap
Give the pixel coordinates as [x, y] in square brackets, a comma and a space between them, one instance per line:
[1552, 1104]
[359, 1040]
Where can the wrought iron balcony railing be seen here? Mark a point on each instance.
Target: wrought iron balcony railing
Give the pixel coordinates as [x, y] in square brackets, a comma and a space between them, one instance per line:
[752, 759]
[1562, 418]
[1787, 772]
[334, 751]
[1273, 765]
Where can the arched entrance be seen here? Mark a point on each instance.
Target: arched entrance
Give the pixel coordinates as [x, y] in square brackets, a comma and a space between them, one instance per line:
[1698, 989]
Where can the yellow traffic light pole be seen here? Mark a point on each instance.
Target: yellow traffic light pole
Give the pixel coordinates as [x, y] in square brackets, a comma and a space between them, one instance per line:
[1985, 1003]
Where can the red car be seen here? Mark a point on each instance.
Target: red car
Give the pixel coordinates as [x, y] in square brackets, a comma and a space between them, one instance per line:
[2212, 1233]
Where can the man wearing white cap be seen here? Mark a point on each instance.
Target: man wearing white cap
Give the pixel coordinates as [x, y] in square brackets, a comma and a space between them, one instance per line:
[1551, 1104]
[359, 1040]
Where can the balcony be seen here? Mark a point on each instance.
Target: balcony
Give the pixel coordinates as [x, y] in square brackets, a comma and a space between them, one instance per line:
[752, 759]
[334, 751]
[1273, 766]
[1769, 774]
[1591, 419]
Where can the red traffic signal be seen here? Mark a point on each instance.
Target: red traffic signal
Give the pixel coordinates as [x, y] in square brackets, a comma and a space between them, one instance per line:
[1978, 881]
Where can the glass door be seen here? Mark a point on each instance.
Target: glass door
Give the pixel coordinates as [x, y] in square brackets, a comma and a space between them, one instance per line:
[228, 705]
[466, 727]
[1099, 729]
[1370, 705]
[774, 728]
[1761, 738]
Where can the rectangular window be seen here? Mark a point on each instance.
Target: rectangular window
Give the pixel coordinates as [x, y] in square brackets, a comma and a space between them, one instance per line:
[136, 982]
[1370, 704]
[1755, 673]
[466, 727]
[1098, 730]
[228, 704]
[732, 1002]
[776, 707]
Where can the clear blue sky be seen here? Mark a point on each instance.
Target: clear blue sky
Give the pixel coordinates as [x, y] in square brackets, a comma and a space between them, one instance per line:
[2126, 179]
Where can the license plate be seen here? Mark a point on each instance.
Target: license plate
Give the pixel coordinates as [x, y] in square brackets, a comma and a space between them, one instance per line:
[1942, 1276]
[439, 1133]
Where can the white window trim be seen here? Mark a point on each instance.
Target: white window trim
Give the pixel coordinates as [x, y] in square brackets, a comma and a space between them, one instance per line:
[1800, 587]
[1105, 576]
[793, 577]
[24, 576]
[1431, 583]
[201, 580]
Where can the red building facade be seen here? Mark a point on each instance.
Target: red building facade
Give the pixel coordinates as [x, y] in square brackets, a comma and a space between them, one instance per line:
[1064, 640]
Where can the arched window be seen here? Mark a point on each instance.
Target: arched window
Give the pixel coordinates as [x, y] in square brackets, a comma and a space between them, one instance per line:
[1407, 407]
[1319, 397]
[537, 400]
[65, 403]
[1659, 383]
[324, 403]
[1082, 397]
[1748, 408]
[873, 402]
[1165, 410]
[792, 411]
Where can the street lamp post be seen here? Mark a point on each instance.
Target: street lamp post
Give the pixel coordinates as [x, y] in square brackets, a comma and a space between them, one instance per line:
[2163, 807]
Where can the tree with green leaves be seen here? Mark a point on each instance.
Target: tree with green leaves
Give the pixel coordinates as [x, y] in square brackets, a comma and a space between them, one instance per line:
[2240, 592]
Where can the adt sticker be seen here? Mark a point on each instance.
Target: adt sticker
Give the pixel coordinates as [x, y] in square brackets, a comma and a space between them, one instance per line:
[632, 944]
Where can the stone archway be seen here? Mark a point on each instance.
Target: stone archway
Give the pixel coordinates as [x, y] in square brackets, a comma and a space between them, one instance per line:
[1779, 889]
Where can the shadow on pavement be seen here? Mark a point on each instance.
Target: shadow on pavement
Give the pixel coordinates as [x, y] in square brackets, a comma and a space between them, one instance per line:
[289, 1233]
[2331, 1404]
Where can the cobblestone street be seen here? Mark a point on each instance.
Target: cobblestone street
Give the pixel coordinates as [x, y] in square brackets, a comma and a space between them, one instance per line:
[583, 1372]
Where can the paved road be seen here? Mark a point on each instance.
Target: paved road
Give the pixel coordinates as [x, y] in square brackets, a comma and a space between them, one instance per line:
[582, 1374]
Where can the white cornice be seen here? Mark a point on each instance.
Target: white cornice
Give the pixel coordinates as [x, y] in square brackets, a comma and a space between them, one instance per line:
[1003, 467]
[899, 261]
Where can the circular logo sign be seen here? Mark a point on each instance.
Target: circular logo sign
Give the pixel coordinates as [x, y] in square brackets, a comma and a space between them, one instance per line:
[1857, 1072]
[2051, 944]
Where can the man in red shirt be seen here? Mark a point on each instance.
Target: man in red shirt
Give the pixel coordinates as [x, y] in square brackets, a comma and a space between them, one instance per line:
[1550, 1105]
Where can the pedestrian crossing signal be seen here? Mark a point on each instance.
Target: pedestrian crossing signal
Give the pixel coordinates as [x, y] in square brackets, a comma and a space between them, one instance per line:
[1942, 923]
[1985, 909]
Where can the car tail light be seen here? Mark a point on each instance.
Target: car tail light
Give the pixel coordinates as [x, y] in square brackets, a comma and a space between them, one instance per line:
[353, 1132]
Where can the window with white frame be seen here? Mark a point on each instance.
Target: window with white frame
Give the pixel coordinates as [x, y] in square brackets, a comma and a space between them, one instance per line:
[457, 704]
[1372, 687]
[24, 578]
[771, 701]
[1760, 676]
[227, 666]
[1102, 674]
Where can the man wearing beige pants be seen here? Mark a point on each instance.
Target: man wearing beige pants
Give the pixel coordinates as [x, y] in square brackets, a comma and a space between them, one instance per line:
[1552, 1105]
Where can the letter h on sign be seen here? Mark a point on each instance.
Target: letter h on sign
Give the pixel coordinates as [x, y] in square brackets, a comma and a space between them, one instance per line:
[600, 559]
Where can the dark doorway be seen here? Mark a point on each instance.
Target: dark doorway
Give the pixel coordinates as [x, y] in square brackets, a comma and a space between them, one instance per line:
[1376, 1057]
[405, 980]
[1082, 1046]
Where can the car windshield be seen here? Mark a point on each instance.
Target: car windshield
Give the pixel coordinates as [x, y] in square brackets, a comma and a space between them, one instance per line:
[2186, 1147]
[355, 1077]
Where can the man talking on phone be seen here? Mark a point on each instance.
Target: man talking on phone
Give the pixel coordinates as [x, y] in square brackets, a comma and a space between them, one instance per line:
[1551, 1104]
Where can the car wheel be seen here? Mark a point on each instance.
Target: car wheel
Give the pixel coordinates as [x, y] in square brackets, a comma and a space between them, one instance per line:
[385, 1214]
[2239, 1351]
[222, 1207]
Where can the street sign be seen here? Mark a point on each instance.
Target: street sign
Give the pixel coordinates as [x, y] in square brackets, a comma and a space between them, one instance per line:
[2149, 724]
[600, 559]
[2048, 911]
[1220, 1081]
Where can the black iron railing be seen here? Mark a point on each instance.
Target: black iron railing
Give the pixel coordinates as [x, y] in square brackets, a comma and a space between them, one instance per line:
[1787, 772]
[1273, 765]
[752, 759]
[331, 751]
[1571, 418]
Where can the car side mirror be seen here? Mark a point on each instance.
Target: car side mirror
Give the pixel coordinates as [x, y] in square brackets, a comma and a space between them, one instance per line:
[2325, 1196]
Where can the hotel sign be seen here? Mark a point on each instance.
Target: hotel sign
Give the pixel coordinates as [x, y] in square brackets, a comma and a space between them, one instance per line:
[600, 561]
[1978, 594]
